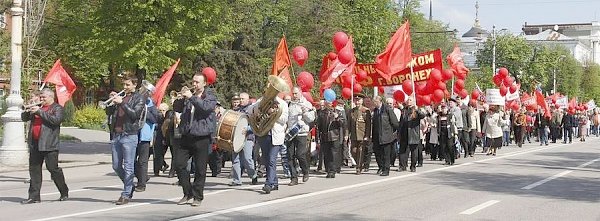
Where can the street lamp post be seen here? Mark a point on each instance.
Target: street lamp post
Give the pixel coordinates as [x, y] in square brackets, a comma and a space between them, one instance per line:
[494, 50]
[13, 152]
[554, 73]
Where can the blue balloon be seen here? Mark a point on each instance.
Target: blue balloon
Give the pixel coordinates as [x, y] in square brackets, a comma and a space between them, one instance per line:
[329, 95]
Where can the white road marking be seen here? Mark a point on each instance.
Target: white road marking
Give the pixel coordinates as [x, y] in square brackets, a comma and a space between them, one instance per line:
[225, 211]
[479, 207]
[533, 185]
[80, 190]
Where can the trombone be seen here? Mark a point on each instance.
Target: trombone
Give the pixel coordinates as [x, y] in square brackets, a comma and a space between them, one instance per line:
[108, 103]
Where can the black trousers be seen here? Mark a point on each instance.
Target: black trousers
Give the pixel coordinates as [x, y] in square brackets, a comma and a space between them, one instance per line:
[159, 153]
[384, 152]
[568, 134]
[447, 145]
[413, 150]
[297, 155]
[36, 159]
[361, 153]
[141, 163]
[215, 161]
[472, 139]
[464, 140]
[331, 155]
[434, 150]
[519, 135]
[197, 149]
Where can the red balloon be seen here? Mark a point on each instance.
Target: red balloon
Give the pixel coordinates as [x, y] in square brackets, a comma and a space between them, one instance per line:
[357, 88]
[438, 96]
[407, 86]
[463, 93]
[346, 93]
[516, 106]
[361, 75]
[421, 88]
[462, 76]
[399, 96]
[503, 72]
[508, 81]
[423, 100]
[305, 81]
[210, 74]
[447, 74]
[460, 84]
[300, 55]
[513, 88]
[308, 96]
[475, 94]
[441, 85]
[345, 56]
[503, 90]
[347, 80]
[340, 39]
[436, 75]
[497, 80]
[332, 56]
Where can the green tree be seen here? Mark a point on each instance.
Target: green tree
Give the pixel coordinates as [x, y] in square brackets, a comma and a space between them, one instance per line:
[590, 82]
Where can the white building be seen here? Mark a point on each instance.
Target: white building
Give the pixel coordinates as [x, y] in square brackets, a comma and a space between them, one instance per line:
[581, 39]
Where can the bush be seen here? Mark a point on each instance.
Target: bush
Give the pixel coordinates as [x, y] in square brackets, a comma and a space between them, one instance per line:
[69, 113]
[89, 117]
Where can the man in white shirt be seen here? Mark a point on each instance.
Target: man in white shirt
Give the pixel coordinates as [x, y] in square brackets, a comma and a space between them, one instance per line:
[301, 113]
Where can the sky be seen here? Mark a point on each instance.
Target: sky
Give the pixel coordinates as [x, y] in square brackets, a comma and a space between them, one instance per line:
[511, 14]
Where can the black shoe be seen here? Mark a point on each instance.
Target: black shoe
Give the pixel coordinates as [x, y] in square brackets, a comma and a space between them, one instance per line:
[165, 168]
[385, 173]
[365, 170]
[378, 171]
[275, 188]
[196, 202]
[413, 170]
[305, 178]
[403, 168]
[140, 189]
[122, 201]
[184, 200]
[419, 165]
[30, 201]
[293, 182]
[267, 189]
[63, 197]
[254, 180]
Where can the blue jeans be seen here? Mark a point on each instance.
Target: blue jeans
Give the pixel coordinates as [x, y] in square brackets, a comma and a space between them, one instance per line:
[543, 136]
[506, 136]
[269, 158]
[285, 161]
[245, 158]
[123, 159]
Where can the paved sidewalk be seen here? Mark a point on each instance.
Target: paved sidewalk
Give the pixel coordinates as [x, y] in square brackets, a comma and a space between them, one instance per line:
[93, 149]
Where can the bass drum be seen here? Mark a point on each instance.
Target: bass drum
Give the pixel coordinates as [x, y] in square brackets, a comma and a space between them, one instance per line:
[230, 131]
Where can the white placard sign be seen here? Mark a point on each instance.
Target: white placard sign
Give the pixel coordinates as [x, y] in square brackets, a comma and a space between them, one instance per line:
[591, 105]
[510, 97]
[388, 91]
[563, 102]
[493, 97]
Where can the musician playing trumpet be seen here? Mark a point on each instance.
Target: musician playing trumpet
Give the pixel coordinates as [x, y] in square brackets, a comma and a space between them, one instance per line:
[124, 128]
[301, 114]
[198, 124]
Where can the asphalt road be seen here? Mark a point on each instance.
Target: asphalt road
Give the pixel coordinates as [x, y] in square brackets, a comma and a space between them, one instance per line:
[556, 182]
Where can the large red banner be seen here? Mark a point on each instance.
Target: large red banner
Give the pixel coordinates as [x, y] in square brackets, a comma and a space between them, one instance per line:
[422, 63]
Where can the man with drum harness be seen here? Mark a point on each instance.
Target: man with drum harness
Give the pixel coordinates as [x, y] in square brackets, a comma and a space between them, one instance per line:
[301, 114]
[244, 156]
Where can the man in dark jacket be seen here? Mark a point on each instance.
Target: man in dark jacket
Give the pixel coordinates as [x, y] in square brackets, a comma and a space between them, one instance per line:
[126, 123]
[330, 126]
[541, 123]
[43, 143]
[198, 123]
[384, 125]
[567, 125]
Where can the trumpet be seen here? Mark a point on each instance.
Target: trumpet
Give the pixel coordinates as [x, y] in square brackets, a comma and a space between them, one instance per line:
[108, 103]
[29, 106]
[179, 94]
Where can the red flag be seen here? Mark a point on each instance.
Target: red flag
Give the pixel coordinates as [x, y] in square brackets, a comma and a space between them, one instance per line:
[285, 75]
[65, 87]
[282, 57]
[337, 68]
[573, 103]
[541, 101]
[455, 60]
[163, 82]
[397, 54]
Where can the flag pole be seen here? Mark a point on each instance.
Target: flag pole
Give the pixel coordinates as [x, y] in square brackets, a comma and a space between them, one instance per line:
[42, 86]
[412, 78]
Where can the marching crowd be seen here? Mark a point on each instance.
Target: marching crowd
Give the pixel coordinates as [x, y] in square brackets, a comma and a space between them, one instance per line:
[328, 135]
